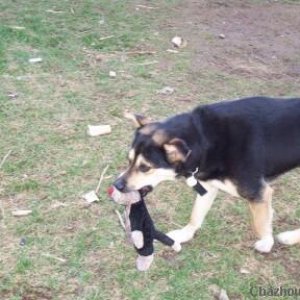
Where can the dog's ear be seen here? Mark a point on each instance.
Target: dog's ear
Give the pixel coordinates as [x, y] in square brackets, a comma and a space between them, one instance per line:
[177, 150]
[138, 120]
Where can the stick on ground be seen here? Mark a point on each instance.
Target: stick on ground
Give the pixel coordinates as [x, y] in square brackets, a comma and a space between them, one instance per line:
[101, 179]
[5, 158]
[54, 257]
[120, 219]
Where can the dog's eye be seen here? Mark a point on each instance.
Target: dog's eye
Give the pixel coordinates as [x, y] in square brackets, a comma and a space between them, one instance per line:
[144, 168]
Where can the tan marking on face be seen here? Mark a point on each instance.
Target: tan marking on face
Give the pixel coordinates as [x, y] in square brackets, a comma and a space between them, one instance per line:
[160, 137]
[137, 179]
[148, 129]
[141, 160]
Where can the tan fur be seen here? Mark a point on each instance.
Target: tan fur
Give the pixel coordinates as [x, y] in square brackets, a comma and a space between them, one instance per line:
[159, 137]
[138, 120]
[148, 129]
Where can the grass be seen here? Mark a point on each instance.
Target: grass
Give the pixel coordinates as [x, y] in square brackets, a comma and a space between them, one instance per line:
[54, 161]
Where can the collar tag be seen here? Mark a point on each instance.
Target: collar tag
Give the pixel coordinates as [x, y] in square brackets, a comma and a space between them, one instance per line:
[194, 183]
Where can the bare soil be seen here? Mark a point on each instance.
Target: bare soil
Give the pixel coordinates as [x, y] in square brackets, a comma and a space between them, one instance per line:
[241, 37]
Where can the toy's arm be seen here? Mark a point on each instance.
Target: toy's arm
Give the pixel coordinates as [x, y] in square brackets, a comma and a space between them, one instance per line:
[163, 238]
[136, 222]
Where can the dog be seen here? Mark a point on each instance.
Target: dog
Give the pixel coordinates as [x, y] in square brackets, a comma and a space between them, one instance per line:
[236, 146]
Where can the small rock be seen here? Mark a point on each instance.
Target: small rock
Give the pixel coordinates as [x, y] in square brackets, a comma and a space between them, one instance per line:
[222, 36]
[178, 42]
[166, 90]
[112, 74]
[35, 60]
[22, 242]
[21, 212]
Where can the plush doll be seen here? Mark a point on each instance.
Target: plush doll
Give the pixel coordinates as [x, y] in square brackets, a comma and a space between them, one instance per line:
[140, 227]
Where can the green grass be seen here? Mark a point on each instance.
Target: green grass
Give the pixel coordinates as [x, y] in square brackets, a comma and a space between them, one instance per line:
[54, 161]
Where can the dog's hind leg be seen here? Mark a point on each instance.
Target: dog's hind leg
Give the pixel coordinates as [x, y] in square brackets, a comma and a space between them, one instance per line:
[262, 215]
[200, 209]
[289, 237]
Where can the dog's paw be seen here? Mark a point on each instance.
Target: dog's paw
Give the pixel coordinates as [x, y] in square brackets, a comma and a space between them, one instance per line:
[264, 245]
[182, 235]
[289, 237]
[176, 247]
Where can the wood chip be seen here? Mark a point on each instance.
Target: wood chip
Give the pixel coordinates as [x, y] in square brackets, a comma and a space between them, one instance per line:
[58, 204]
[112, 74]
[167, 90]
[90, 197]
[35, 60]
[18, 27]
[172, 51]
[244, 271]
[95, 130]
[223, 295]
[21, 212]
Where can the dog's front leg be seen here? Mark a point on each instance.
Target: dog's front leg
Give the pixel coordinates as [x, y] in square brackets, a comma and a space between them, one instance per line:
[262, 214]
[200, 209]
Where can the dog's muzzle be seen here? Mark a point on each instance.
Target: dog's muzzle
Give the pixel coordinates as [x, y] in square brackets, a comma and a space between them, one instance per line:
[120, 184]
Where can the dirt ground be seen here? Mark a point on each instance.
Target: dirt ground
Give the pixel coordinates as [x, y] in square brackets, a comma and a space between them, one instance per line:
[245, 38]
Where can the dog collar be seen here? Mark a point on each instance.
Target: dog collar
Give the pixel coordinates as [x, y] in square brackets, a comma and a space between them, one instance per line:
[195, 184]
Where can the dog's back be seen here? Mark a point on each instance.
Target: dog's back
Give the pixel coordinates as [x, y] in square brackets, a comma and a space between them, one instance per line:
[266, 126]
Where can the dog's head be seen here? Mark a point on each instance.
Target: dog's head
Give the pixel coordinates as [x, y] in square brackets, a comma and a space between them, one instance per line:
[155, 155]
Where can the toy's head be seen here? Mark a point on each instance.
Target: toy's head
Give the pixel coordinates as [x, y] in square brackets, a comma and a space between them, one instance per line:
[123, 198]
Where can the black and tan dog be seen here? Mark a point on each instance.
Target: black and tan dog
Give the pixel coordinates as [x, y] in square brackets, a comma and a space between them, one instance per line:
[235, 146]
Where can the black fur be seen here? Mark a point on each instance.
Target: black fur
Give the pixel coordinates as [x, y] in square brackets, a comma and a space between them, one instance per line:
[247, 141]
[141, 220]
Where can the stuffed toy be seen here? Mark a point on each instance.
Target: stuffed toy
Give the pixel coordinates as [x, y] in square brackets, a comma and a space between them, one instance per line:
[140, 226]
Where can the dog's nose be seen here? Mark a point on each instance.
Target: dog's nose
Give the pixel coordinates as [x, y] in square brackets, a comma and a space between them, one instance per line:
[120, 184]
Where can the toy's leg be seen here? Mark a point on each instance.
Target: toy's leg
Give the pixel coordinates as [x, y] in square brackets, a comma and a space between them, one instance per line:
[262, 214]
[143, 263]
[137, 238]
[201, 207]
[163, 238]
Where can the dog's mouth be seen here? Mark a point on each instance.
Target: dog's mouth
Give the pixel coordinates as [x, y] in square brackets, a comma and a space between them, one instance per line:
[145, 190]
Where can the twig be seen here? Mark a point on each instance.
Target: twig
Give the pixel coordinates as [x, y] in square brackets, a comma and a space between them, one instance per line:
[4, 158]
[140, 52]
[145, 6]
[2, 213]
[101, 179]
[176, 224]
[54, 257]
[120, 219]
[106, 37]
